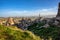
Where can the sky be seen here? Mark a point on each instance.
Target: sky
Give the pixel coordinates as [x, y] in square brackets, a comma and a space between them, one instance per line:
[28, 7]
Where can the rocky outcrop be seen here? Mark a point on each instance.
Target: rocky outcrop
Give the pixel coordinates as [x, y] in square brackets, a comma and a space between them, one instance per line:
[58, 15]
[10, 21]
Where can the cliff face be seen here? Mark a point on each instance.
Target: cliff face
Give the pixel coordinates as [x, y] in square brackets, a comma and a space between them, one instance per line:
[58, 15]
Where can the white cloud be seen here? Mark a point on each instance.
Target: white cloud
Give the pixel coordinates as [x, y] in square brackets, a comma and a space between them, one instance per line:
[49, 11]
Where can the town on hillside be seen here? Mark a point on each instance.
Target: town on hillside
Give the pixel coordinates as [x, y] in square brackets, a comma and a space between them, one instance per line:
[25, 22]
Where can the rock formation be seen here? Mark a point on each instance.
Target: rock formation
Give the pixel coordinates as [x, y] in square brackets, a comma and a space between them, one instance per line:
[0, 22]
[10, 21]
[58, 15]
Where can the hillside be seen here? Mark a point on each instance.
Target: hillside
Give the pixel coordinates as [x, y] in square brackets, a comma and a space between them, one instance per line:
[51, 32]
[13, 33]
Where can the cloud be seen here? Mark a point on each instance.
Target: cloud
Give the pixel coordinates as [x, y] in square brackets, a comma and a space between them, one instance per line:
[42, 12]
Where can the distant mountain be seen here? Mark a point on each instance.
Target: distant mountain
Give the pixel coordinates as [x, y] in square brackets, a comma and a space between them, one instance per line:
[49, 16]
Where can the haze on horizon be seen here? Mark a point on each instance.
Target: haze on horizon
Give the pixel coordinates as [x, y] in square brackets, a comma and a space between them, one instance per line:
[28, 7]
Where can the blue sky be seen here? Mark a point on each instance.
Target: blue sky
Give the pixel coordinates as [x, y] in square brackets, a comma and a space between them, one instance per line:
[28, 7]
